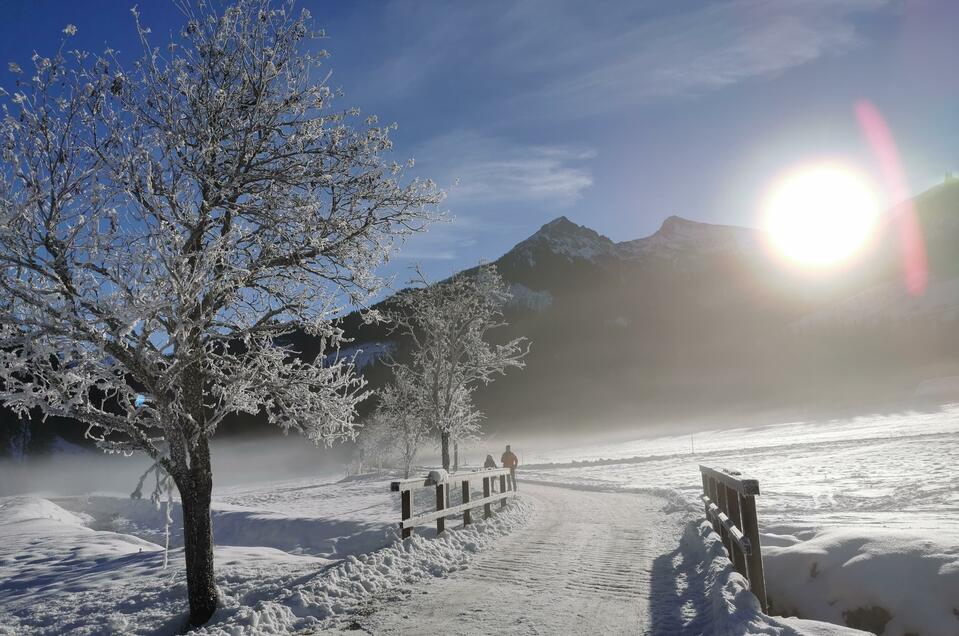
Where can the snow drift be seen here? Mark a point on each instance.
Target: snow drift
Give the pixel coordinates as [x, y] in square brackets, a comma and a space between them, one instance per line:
[885, 581]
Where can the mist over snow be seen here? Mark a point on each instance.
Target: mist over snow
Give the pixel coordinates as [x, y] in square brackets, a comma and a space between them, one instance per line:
[237, 461]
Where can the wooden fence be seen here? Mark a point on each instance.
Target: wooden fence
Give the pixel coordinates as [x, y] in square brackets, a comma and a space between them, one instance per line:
[406, 488]
[730, 502]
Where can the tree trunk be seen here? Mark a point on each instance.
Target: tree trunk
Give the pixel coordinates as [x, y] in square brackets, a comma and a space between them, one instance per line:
[445, 441]
[198, 535]
[456, 456]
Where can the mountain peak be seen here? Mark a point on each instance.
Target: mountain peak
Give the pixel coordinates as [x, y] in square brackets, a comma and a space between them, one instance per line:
[562, 225]
[678, 233]
[675, 223]
[565, 238]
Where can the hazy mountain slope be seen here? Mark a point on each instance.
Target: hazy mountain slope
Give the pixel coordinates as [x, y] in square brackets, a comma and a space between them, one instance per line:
[695, 320]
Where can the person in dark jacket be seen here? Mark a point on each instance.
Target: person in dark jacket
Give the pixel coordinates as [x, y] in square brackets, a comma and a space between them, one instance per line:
[490, 462]
[510, 461]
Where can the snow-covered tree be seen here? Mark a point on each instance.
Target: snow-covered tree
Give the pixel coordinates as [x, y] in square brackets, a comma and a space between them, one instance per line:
[164, 225]
[375, 443]
[464, 423]
[448, 323]
[401, 409]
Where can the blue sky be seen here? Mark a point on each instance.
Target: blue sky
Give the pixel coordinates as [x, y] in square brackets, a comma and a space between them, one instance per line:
[615, 114]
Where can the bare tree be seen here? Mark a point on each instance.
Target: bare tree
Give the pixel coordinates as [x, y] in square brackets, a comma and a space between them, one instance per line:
[448, 323]
[163, 227]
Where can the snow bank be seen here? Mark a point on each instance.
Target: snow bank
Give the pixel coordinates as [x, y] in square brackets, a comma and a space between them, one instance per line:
[334, 594]
[885, 581]
[732, 609]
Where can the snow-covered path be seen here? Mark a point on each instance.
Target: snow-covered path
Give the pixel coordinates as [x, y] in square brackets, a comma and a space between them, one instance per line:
[587, 562]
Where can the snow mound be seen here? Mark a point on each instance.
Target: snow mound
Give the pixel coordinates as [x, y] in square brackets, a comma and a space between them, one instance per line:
[886, 581]
[439, 476]
[29, 508]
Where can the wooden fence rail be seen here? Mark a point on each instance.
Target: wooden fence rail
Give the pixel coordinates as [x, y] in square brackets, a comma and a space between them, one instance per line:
[730, 502]
[406, 488]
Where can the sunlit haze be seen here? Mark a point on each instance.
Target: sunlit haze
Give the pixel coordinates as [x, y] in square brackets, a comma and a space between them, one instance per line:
[820, 215]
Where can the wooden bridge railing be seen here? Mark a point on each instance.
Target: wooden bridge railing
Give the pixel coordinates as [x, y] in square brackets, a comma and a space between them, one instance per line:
[406, 488]
[731, 507]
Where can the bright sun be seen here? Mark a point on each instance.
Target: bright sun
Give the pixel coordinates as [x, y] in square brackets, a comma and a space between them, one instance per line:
[820, 215]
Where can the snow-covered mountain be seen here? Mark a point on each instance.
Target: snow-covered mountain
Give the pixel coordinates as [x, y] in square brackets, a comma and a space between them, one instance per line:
[561, 237]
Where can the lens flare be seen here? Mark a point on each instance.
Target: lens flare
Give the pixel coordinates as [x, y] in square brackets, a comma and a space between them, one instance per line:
[915, 265]
[820, 215]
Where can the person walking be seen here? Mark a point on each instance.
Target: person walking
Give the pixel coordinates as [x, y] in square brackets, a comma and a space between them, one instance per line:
[510, 461]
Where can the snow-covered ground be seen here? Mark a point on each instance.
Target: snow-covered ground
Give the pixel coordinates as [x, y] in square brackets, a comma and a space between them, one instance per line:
[858, 518]
[292, 555]
[859, 515]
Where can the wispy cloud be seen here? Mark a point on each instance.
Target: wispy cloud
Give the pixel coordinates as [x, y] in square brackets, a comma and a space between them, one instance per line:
[566, 57]
[484, 169]
[695, 52]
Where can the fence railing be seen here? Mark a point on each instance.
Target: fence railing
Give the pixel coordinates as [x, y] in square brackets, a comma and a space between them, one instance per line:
[406, 488]
[730, 502]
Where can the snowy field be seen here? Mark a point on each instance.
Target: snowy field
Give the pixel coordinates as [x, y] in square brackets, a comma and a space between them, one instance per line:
[891, 471]
[857, 514]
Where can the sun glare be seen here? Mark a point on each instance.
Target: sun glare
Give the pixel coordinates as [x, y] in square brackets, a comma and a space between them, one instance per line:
[820, 215]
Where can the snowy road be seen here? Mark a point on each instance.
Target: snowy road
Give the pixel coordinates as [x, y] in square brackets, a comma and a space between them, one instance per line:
[587, 562]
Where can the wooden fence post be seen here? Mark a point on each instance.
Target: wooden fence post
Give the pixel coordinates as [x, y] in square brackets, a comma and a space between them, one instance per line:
[712, 496]
[487, 508]
[732, 500]
[467, 514]
[407, 512]
[440, 505]
[502, 488]
[723, 532]
[706, 492]
[757, 581]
